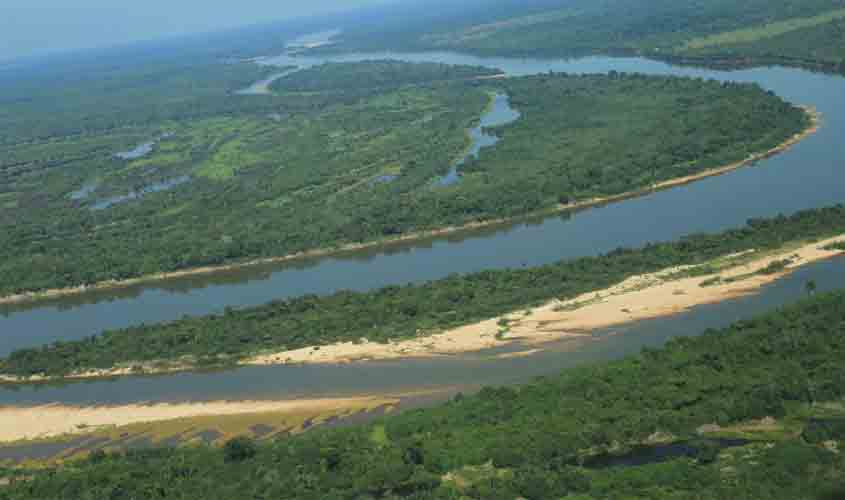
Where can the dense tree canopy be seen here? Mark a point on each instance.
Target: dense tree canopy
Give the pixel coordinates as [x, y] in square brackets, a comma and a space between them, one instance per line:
[797, 32]
[402, 311]
[245, 177]
[343, 77]
[539, 440]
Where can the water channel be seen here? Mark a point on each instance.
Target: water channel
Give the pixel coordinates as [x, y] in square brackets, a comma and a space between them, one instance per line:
[806, 176]
[499, 113]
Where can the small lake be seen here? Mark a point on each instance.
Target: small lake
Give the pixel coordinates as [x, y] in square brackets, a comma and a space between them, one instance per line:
[156, 187]
[142, 150]
[138, 152]
[659, 453]
[499, 113]
[262, 87]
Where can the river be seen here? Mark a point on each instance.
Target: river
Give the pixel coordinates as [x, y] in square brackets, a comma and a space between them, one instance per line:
[806, 176]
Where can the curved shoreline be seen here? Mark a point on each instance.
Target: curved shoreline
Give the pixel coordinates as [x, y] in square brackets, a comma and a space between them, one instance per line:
[649, 296]
[51, 294]
[22, 423]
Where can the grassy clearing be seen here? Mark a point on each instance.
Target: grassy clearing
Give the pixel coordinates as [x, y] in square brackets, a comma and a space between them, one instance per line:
[770, 30]
[487, 30]
[214, 429]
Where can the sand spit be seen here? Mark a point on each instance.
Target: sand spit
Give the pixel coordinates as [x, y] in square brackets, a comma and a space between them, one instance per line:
[815, 120]
[638, 298]
[663, 293]
[39, 422]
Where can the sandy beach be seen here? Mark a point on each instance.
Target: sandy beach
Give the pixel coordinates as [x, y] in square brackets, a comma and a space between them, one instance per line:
[669, 291]
[38, 422]
[640, 297]
[815, 119]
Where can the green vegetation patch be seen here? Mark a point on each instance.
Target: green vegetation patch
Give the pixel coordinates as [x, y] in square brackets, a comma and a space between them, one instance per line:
[536, 440]
[757, 33]
[344, 77]
[586, 27]
[402, 312]
[359, 166]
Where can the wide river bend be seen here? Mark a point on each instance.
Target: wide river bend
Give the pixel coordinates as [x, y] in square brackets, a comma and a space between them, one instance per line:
[808, 175]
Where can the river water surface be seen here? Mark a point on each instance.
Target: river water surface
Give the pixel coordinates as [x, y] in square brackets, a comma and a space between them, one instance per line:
[806, 176]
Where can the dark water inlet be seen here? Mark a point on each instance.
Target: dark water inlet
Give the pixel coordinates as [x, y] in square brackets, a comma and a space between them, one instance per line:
[647, 455]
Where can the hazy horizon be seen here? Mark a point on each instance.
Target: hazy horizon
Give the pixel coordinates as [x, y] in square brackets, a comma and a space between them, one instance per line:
[40, 27]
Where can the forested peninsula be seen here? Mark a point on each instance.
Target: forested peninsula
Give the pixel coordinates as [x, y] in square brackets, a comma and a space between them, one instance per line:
[397, 312]
[322, 170]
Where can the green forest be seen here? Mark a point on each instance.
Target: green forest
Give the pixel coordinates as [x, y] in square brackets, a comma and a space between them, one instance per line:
[130, 162]
[815, 42]
[229, 178]
[342, 77]
[399, 312]
[564, 436]
[752, 32]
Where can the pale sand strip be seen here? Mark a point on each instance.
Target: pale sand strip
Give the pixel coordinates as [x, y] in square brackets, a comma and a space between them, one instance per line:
[637, 298]
[640, 297]
[19, 423]
[815, 123]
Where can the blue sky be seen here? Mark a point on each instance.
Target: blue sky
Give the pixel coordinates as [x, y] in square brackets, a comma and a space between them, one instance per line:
[30, 27]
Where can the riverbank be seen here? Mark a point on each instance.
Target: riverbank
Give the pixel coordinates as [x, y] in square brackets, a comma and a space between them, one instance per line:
[664, 293]
[815, 123]
[738, 62]
[646, 296]
[50, 421]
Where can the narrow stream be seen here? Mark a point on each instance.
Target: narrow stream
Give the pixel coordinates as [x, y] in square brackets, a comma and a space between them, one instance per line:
[500, 113]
